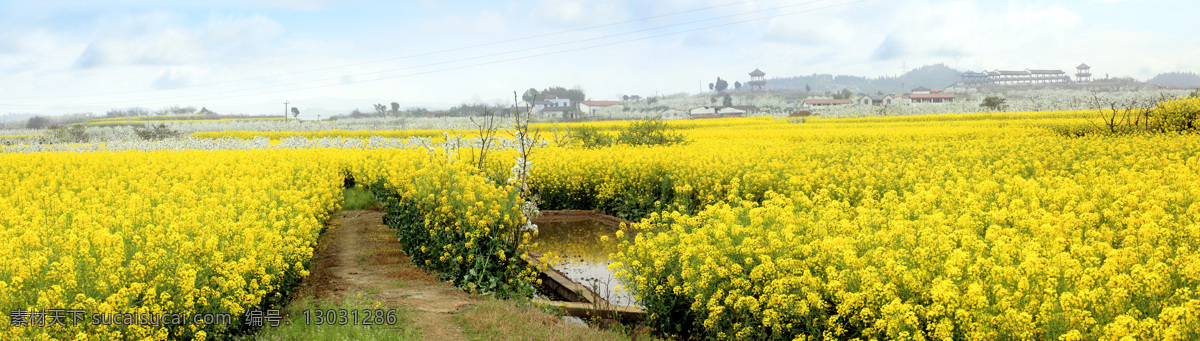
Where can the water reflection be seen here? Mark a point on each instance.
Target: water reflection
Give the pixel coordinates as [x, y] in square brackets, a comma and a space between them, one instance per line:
[579, 249]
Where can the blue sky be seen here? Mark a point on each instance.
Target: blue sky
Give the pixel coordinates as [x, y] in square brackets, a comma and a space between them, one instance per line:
[331, 57]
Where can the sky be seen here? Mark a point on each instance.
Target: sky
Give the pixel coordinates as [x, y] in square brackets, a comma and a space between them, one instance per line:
[331, 57]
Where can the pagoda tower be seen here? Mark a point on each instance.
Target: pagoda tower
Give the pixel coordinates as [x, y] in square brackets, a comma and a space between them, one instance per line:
[1084, 73]
[757, 83]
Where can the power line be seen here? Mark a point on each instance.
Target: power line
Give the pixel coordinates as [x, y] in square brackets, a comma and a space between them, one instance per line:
[402, 57]
[182, 97]
[483, 63]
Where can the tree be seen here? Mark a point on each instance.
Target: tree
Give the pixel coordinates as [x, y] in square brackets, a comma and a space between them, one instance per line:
[992, 103]
[728, 101]
[295, 113]
[625, 98]
[395, 108]
[37, 122]
[737, 85]
[530, 95]
[722, 85]
[380, 109]
[807, 89]
[711, 86]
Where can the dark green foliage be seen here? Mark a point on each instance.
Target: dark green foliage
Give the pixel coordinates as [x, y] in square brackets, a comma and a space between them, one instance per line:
[844, 94]
[37, 122]
[591, 137]
[530, 95]
[650, 132]
[992, 103]
[356, 198]
[727, 101]
[576, 95]
[348, 180]
[72, 134]
[157, 133]
[722, 85]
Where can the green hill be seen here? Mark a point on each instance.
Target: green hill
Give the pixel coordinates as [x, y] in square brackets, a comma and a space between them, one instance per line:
[1177, 79]
[935, 76]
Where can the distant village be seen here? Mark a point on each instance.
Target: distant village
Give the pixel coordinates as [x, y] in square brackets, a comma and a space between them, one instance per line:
[555, 107]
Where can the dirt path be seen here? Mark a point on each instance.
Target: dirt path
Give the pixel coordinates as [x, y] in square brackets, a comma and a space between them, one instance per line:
[360, 254]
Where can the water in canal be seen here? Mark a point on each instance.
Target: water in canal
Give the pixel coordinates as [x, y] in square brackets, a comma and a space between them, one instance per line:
[579, 249]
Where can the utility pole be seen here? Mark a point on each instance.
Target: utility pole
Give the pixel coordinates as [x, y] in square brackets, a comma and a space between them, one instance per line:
[285, 109]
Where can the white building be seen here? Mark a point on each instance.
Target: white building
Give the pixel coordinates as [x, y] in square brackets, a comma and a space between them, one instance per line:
[590, 108]
[558, 102]
[875, 100]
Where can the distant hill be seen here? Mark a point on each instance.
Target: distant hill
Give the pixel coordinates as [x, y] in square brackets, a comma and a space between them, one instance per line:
[1176, 79]
[937, 76]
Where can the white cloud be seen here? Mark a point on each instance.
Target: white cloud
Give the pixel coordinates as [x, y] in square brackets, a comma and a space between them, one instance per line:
[173, 78]
[160, 39]
[304, 5]
[578, 13]
[921, 32]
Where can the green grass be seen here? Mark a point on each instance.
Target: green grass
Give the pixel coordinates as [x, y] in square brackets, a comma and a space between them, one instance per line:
[494, 319]
[357, 199]
[297, 327]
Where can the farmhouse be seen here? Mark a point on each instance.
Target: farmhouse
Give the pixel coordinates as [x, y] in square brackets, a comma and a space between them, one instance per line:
[554, 101]
[716, 112]
[935, 98]
[673, 114]
[826, 102]
[560, 112]
[589, 108]
[873, 100]
[552, 107]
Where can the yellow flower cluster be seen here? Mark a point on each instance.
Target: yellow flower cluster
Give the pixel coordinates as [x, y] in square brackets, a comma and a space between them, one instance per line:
[969, 226]
[451, 219]
[197, 232]
[185, 232]
[966, 226]
[1181, 114]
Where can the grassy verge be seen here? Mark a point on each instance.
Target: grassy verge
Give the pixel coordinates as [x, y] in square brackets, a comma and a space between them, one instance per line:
[493, 319]
[358, 199]
[297, 325]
